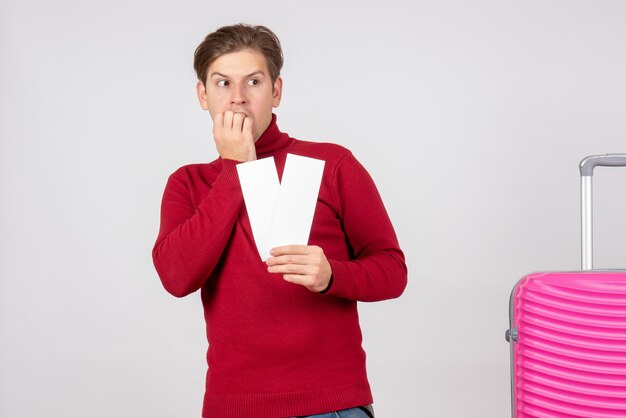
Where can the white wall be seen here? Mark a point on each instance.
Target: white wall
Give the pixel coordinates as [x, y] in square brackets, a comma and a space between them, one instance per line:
[471, 117]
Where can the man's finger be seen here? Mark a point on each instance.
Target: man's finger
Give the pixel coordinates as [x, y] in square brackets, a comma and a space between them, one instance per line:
[302, 281]
[238, 121]
[288, 259]
[301, 269]
[218, 121]
[247, 124]
[228, 119]
[289, 249]
[296, 279]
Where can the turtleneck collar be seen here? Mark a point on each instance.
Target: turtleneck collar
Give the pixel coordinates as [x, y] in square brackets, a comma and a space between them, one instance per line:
[272, 139]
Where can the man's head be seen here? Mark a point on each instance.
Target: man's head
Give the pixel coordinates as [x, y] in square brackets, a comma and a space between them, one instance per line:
[238, 69]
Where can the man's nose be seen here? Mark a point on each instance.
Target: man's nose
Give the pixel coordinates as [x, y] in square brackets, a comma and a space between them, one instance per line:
[238, 95]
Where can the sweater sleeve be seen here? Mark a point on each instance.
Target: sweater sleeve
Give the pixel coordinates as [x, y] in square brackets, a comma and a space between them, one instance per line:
[191, 240]
[378, 270]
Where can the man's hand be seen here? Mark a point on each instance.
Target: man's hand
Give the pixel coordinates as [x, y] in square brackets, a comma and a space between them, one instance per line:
[305, 265]
[233, 136]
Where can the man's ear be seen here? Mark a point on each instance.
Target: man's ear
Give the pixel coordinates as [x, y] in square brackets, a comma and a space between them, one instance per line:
[277, 91]
[201, 90]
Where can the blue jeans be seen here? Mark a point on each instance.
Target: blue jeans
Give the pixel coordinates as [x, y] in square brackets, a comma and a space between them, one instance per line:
[345, 413]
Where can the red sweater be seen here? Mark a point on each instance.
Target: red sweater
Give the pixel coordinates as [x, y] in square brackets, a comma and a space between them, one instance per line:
[277, 349]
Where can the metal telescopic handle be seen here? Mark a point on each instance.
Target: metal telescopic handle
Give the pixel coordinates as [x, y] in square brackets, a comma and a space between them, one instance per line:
[586, 207]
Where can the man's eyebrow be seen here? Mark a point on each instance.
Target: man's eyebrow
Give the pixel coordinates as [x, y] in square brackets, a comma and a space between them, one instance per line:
[249, 75]
[255, 73]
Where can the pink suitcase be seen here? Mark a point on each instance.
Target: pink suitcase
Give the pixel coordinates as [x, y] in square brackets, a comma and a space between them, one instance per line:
[567, 332]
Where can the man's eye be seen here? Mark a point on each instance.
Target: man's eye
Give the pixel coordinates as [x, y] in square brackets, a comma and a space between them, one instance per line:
[253, 82]
[222, 83]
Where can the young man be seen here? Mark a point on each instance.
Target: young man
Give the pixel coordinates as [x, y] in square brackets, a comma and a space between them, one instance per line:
[284, 337]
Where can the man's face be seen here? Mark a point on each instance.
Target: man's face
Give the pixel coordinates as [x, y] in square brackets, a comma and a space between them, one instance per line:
[240, 82]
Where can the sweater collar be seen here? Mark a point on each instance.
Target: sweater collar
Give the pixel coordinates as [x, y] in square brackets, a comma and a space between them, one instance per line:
[272, 139]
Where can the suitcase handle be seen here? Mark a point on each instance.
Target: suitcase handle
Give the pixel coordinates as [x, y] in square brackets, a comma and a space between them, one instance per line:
[607, 160]
[586, 207]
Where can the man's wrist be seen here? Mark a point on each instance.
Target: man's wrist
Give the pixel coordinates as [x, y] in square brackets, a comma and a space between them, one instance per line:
[330, 283]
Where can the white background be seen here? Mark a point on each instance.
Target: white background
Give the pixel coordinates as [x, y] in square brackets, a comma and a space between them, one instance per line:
[471, 116]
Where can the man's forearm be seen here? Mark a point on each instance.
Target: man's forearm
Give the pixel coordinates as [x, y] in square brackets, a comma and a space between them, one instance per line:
[192, 240]
[379, 276]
